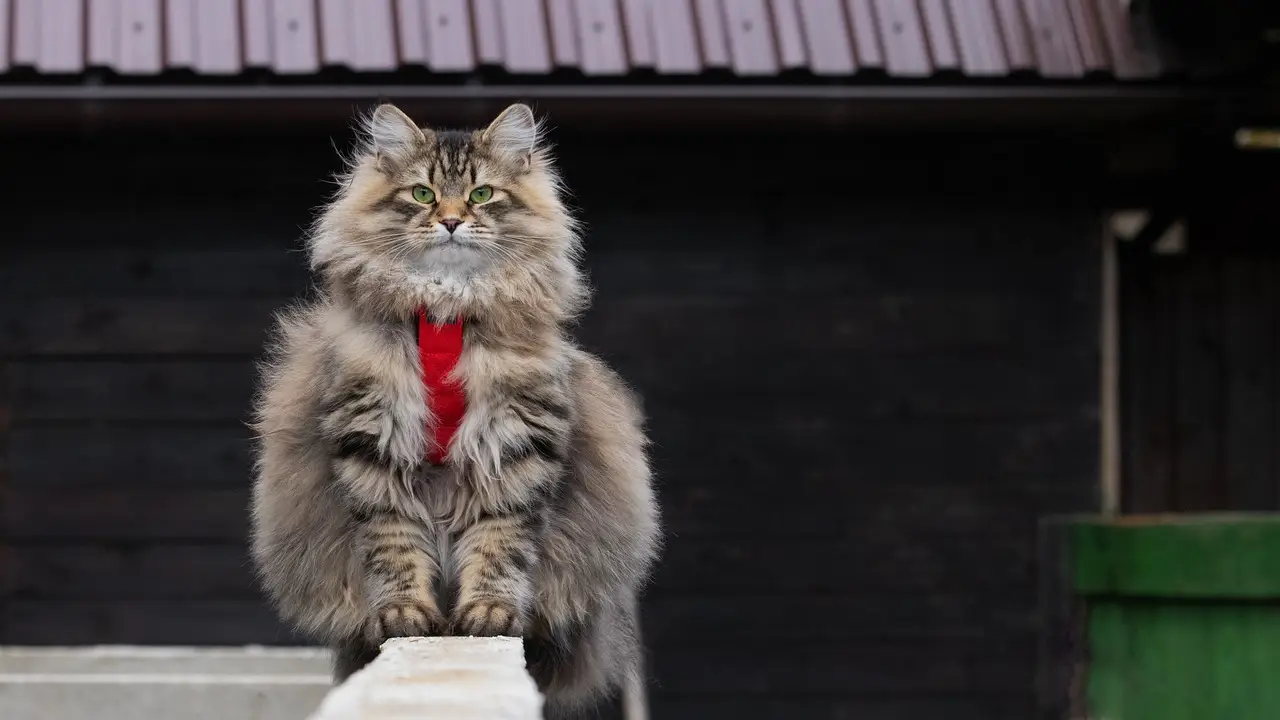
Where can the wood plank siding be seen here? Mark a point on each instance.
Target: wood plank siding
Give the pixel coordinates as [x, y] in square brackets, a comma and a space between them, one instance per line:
[1201, 340]
[864, 388]
[748, 38]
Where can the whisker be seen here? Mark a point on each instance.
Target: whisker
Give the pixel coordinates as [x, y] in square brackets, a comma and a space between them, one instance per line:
[384, 238]
[399, 252]
[505, 253]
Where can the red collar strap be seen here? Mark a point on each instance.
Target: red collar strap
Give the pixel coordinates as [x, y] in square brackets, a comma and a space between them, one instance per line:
[440, 347]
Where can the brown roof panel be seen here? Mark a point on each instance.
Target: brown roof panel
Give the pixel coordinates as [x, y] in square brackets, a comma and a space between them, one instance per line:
[58, 45]
[217, 33]
[827, 33]
[978, 37]
[179, 33]
[1128, 60]
[26, 32]
[525, 42]
[1018, 46]
[1089, 36]
[564, 37]
[675, 38]
[449, 46]
[639, 32]
[295, 36]
[1053, 37]
[335, 32]
[600, 30]
[786, 27]
[938, 30]
[256, 28]
[867, 49]
[140, 51]
[372, 36]
[102, 34]
[4, 34]
[750, 37]
[486, 18]
[715, 45]
[906, 53]
[1057, 39]
[411, 31]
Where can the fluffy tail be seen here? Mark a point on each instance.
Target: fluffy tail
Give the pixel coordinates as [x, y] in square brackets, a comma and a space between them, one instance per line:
[635, 692]
[635, 696]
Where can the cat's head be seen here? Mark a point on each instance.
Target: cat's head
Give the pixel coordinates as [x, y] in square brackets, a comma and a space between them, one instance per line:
[454, 214]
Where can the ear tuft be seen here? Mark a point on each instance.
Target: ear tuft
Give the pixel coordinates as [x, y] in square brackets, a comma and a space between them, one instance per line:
[514, 132]
[393, 134]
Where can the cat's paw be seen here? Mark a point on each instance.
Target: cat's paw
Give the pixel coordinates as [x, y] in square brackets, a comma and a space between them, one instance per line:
[406, 618]
[487, 617]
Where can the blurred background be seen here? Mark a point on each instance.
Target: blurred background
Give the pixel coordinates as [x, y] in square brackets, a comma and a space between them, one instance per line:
[899, 280]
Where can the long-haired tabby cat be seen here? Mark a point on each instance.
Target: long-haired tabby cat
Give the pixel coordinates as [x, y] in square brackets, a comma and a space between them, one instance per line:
[517, 502]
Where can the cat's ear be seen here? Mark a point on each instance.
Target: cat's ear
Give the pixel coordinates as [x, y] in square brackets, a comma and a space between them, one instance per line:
[394, 136]
[514, 133]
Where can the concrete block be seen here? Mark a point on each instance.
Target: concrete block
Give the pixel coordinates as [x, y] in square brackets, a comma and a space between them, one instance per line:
[449, 677]
[161, 683]
[151, 660]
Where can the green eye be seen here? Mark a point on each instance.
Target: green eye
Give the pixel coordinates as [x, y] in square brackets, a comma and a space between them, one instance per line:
[424, 194]
[481, 194]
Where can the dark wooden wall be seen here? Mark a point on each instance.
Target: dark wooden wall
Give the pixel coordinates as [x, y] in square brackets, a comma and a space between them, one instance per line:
[1201, 355]
[869, 369]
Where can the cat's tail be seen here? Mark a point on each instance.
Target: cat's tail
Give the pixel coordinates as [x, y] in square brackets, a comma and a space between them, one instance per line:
[635, 696]
[635, 691]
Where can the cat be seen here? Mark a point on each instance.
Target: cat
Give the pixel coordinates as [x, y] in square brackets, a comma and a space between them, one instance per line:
[535, 516]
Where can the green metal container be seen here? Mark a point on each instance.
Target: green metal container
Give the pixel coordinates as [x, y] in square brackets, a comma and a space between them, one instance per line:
[1162, 618]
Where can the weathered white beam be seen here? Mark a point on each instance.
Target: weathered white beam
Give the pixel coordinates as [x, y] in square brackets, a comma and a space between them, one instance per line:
[449, 677]
[165, 660]
[162, 683]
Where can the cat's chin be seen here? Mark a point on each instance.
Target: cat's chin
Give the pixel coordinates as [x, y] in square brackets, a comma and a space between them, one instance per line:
[451, 261]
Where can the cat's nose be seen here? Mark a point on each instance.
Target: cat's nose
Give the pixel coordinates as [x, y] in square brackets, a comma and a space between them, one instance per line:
[451, 224]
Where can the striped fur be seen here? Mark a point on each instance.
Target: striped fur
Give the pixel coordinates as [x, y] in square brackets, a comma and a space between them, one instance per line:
[542, 521]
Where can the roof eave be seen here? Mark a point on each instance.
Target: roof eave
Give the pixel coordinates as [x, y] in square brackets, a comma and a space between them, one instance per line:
[1084, 106]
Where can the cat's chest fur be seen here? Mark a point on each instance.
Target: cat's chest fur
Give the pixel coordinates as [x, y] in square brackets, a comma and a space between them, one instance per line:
[470, 469]
[388, 359]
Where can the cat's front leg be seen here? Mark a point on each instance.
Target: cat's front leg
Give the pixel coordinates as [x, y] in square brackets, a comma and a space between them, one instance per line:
[528, 435]
[496, 554]
[401, 565]
[400, 559]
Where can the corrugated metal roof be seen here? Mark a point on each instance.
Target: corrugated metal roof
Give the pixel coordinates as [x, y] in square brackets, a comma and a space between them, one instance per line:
[907, 39]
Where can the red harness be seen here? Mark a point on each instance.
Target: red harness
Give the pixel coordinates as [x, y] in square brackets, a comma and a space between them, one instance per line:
[439, 347]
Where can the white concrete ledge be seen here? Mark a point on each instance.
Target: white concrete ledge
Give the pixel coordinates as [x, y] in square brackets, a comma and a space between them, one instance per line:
[161, 683]
[444, 677]
[166, 659]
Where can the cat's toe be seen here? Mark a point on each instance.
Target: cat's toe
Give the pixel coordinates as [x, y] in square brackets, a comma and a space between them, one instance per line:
[407, 618]
[487, 618]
